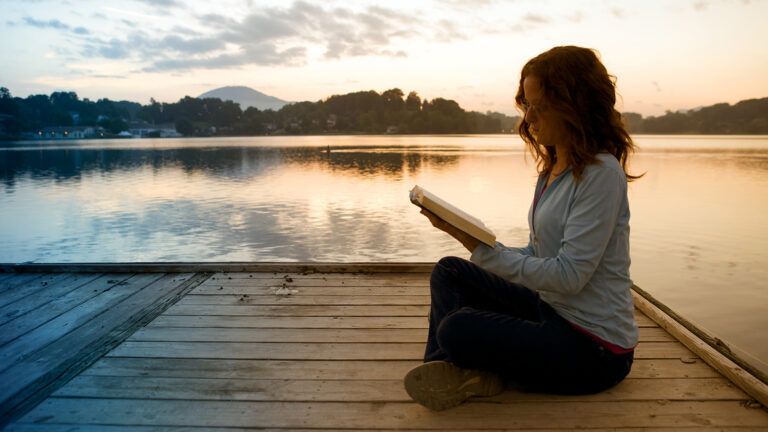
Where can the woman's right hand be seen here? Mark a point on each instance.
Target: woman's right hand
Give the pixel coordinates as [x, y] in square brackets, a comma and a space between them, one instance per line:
[465, 239]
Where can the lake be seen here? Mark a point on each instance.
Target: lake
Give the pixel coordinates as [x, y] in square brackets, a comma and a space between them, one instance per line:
[698, 230]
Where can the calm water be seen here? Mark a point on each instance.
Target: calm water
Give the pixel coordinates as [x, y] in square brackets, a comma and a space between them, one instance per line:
[699, 230]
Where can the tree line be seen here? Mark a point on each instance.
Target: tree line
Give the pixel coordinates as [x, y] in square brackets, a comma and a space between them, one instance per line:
[360, 112]
[745, 117]
[367, 112]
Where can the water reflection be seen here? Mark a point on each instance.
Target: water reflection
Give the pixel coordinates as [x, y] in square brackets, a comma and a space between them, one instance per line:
[228, 162]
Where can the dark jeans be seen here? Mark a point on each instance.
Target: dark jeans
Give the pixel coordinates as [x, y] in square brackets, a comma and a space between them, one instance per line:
[480, 321]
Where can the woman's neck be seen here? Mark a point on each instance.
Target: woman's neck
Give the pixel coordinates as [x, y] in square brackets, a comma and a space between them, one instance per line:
[561, 163]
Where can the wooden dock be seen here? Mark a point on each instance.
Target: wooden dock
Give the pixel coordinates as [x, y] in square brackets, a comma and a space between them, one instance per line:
[298, 347]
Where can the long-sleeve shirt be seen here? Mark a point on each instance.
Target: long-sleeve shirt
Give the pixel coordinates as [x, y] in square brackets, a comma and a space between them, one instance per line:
[577, 257]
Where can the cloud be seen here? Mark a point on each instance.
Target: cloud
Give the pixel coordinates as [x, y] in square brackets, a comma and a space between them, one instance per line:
[656, 86]
[272, 36]
[535, 18]
[466, 4]
[54, 24]
[286, 35]
[529, 21]
[448, 31]
[161, 3]
[700, 5]
[576, 16]
[191, 45]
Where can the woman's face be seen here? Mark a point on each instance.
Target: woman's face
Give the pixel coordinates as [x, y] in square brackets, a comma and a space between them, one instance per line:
[540, 121]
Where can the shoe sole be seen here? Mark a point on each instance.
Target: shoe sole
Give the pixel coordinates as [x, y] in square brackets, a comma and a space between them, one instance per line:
[440, 385]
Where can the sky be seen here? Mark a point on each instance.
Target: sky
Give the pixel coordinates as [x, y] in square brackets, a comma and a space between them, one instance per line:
[666, 54]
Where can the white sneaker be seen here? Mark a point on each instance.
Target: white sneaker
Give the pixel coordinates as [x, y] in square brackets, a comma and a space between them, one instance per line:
[440, 385]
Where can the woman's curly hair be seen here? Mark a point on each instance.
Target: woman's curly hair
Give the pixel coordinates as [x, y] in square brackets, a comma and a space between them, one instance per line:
[576, 88]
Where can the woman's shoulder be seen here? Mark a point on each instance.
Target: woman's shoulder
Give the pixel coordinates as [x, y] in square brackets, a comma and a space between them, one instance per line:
[606, 164]
[605, 171]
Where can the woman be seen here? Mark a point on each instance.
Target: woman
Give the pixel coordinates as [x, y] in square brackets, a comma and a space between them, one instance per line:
[554, 316]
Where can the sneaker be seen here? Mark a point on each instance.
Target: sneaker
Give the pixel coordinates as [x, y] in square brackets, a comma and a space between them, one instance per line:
[440, 385]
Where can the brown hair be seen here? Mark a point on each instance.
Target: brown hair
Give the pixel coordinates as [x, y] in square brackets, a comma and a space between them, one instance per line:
[576, 88]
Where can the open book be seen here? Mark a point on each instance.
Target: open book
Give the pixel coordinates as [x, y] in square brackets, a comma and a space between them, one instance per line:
[453, 215]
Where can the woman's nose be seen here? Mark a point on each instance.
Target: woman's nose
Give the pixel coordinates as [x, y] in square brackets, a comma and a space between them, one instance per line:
[530, 116]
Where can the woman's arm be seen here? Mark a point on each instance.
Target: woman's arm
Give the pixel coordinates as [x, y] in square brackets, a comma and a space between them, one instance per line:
[591, 220]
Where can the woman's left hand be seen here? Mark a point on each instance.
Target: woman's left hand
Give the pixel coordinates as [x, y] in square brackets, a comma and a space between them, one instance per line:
[465, 239]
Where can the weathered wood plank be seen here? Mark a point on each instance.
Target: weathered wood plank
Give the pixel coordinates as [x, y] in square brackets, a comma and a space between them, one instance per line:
[54, 329]
[300, 299]
[230, 267]
[16, 279]
[305, 321]
[218, 289]
[320, 282]
[109, 428]
[293, 390]
[288, 322]
[334, 369]
[28, 287]
[298, 311]
[43, 296]
[330, 276]
[28, 427]
[327, 351]
[252, 369]
[29, 381]
[180, 334]
[366, 415]
[742, 378]
[256, 311]
[25, 323]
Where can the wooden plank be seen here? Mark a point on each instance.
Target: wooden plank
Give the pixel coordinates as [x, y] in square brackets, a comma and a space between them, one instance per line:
[16, 279]
[321, 282]
[303, 299]
[334, 369]
[366, 415]
[328, 351]
[252, 369]
[218, 289]
[52, 292]
[180, 334]
[304, 321]
[54, 329]
[288, 322]
[292, 390]
[211, 267]
[742, 378]
[28, 287]
[25, 323]
[325, 275]
[27, 383]
[272, 351]
[299, 311]
[29, 427]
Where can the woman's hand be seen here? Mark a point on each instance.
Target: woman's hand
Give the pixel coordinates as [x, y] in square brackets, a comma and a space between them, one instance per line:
[465, 239]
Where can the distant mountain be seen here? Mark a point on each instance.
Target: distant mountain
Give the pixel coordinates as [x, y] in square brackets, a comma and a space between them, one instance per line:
[246, 97]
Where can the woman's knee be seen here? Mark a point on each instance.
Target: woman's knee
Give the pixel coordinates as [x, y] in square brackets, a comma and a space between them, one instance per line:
[455, 331]
[446, 268]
